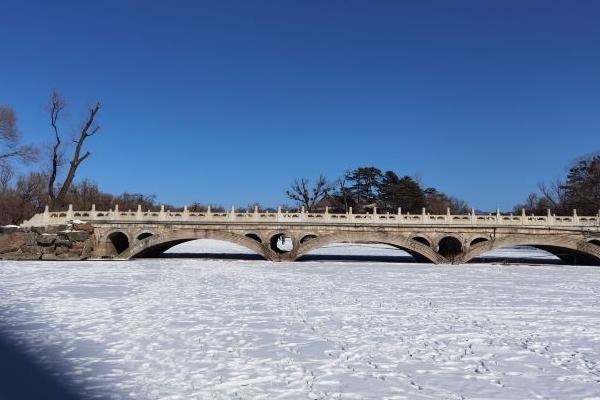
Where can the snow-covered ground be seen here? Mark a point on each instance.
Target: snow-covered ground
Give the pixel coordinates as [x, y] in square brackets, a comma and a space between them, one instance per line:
[221, 329]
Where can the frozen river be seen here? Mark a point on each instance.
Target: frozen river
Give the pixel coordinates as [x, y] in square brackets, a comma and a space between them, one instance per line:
[249, 329]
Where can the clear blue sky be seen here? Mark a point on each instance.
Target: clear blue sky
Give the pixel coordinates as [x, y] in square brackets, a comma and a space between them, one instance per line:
[227, 102]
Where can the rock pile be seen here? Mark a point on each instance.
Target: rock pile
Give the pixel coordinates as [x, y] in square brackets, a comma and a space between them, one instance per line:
[58, 242]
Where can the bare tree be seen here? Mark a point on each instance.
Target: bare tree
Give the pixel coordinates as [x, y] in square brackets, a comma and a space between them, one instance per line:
[306, 195]
[10, 139]
[6, 175]
[554, 194]
[56, 106]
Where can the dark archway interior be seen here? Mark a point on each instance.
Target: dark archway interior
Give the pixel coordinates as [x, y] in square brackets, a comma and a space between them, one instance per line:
[144, 235]
[549, 255]
[478, 240]
[595, 241]
[254, 237]
[422, 240]
[307, 238]
[118, 241]
[570, 256]
[450, 247]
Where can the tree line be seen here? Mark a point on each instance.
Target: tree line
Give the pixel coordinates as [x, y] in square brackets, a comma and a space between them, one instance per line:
[579, 190]
[365, 189]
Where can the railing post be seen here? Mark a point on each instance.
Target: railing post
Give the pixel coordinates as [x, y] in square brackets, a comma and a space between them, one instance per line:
[523, 216]
[423, 215]
[208, 213]
[93, 212]
[70, 212]
[327, 213]
[302, 214]
[46, 215]
[279, 216]
[186, 213]
[116, 212]
[232, 213]
[448, 218]
[161, 214]
[472, 216]
[575, 217]
[549, 217]
[498, 215]
[255, 214]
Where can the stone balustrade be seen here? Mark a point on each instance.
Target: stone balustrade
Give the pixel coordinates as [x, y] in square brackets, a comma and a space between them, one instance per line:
[374, 218]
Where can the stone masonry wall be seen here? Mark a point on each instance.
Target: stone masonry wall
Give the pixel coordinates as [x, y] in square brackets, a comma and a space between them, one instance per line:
[57, 242]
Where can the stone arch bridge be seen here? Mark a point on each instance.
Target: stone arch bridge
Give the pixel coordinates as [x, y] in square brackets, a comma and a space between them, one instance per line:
[437, 239]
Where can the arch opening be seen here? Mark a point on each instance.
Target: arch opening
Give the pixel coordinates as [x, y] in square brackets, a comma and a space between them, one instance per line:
[595, 241]
[450, 247]
[308, 238]
[199, 248]
[281, 243]
[570, 256]
[362, 251]
[422, 240]
[478, 240]
[521, 254]
[254, 236]
[117, 243]
[144, 235]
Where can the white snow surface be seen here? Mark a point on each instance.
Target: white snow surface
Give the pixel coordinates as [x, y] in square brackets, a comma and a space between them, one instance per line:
[223, 329]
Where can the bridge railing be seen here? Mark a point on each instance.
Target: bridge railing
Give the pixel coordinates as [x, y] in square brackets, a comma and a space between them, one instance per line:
[186, 216]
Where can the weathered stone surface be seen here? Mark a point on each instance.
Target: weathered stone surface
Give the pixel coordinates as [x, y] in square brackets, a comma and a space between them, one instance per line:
[33, 251]
[46, 239]
[61, 250]
[86, 252]
[64, 243]
[12, 242]
[56, 228]
[78, 236]
[38, 229]
[36, 243]
[86, 227]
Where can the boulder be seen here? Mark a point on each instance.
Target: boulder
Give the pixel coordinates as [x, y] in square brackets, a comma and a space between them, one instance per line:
[12, 242]
[56, 228]
[40, 230]
[86, 227]
[78, 236]
[46, 239]
[62, 243]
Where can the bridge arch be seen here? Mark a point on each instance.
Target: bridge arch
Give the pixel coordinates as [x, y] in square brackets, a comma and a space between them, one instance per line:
[594, 241]
[423, 239]
[275, 237]
[450, 246]
[478, 239]
[420, 251]
[253, 236]
[159, 243]
[117, 242]
[569, 249]
[143, 235]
